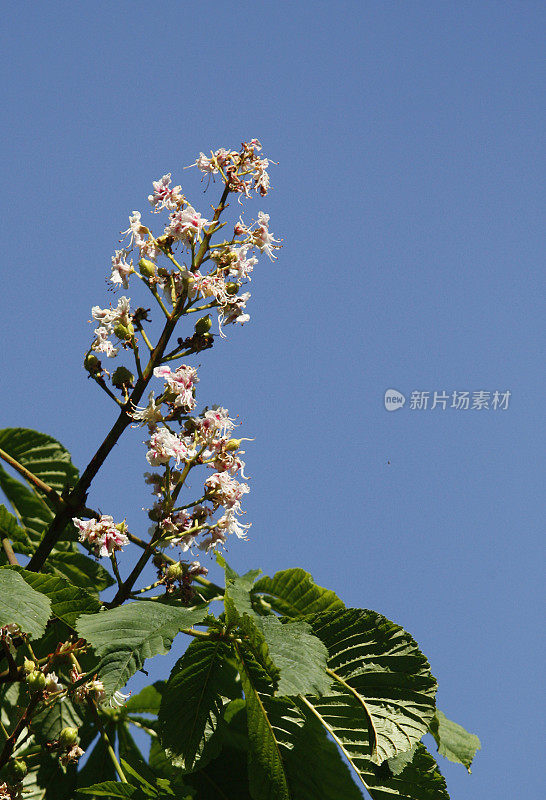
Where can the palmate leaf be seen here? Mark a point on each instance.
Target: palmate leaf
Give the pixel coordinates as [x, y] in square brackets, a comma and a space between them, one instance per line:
[192, 701]
[293, 593]
[42, 455]
[125, 637]
[22, 605]
[292, 656]
[273, 727]
[67, 602]
[453, 741]
[382, 697]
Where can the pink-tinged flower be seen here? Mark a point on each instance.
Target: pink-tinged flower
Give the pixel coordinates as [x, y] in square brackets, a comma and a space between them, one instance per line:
[121, 269]
[181, 383]
[137, 232]
[215, 421]
[232, 312]
[165, 196]
[225, 491]
[185, 224]
[102, 535]
[164, 445]
[150, 415]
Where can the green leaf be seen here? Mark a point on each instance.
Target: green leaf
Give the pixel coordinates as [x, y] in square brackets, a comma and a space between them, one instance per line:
[137, 779]
[109, 789]
[32, 512]
[289, 653]
[315, 768]
[125, 637]
[67, 601]
[192, 701]
[300, 656]
[273, 725]
[48, 724]
[293, 593]
[419, 779]
[42, 455]
[454, 742]
[382, 698]
[147, 701]
[130, 755]
[98, 766]
[18, 535]
[21, 605]
[80, 570]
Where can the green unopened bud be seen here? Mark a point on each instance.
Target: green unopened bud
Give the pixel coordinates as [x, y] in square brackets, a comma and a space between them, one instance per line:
[146, 267]
[122, 377]
[29, 666]
[232, 288]
[68, 737]
[203, 325]
[17, 770]
[175, 571]
[124, 332]
[233, 444]
[92, 364]
[36, 681]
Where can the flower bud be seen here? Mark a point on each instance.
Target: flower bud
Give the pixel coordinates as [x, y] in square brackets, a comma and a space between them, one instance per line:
[175, 571]
[68, 737]
[124, 332]
[122, 377]
[203, 325]
[92, 364]
[233, 444]
[146, 268]
[29, 666]
[232, 288]
[36, 681]
[17, 769]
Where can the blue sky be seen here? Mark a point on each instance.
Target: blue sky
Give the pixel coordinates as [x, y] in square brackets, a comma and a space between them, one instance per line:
[408, 193]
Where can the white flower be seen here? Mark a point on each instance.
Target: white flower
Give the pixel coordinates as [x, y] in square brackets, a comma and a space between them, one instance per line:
[226, 491]
[102, 535]
[150, 415]
[165, 196]
[137, 232]
[121, 269]
[185, 223]
[118, 699]
[164, 445]
[181, 383]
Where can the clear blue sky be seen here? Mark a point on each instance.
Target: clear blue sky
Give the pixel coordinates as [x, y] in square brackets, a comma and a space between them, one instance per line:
[408, 192]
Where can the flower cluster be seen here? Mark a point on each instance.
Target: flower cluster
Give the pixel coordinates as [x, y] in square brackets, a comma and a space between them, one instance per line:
[204, 440]
[102, 535]
[186, 272]
[242, 171]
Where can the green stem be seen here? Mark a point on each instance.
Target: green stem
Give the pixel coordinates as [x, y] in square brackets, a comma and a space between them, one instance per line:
[8, 549]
